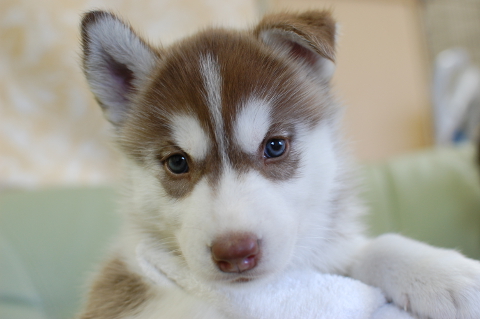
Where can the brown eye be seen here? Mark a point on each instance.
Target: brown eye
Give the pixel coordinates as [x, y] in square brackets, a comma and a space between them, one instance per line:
[177, 164]
[275, 147]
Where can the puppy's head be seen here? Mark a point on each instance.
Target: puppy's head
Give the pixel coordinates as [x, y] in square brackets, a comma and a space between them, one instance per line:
[230, 138]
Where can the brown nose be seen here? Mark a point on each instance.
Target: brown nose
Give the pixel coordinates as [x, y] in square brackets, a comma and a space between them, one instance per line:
[236, 252]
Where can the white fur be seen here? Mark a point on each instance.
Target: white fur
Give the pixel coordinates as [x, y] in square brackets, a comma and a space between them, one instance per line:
[302, 225]
[251, 124]
[110, 36]
[235, 208]
[278, 213]
[212, 81]
[307, 224]
[432, 282]
[320, 224]
[301, 228]
[190, 136]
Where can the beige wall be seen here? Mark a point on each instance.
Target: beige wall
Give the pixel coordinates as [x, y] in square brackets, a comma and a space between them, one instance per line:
[382, 75]
[52, 132]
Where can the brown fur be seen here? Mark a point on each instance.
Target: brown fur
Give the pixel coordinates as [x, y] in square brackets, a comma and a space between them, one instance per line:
[317, 28]
[115, 292]
[248, 68]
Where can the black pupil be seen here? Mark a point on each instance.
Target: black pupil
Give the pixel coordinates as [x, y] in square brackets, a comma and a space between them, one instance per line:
[275, 148]
[177, 164]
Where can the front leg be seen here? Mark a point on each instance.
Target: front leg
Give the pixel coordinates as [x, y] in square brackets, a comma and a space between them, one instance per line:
[430, 282]
[118, 292]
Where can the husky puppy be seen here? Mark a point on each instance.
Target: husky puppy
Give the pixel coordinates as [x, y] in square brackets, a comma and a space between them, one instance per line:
[236, 172]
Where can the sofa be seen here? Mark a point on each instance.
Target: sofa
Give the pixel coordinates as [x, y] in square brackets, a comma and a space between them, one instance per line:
[52, 239]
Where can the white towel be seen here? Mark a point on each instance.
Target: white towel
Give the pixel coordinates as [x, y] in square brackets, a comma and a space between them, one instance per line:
[311, 295]
[302, 294]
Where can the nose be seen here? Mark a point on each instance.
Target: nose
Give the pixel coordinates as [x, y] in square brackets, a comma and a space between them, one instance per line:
[236, 252]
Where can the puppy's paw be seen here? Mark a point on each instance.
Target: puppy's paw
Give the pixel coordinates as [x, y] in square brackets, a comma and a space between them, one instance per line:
[430, 282]
[441, 287]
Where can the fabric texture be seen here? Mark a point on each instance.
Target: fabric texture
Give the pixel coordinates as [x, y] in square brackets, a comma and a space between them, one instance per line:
[18, 297]
[52, 239]
[432, 196]
[53, 132]
[310, 295]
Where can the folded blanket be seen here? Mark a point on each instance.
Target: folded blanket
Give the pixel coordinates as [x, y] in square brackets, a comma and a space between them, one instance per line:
[311, 295]
[302, 294]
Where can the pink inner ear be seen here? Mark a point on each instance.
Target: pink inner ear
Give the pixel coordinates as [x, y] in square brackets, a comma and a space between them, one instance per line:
[300, 52]
[121, 75]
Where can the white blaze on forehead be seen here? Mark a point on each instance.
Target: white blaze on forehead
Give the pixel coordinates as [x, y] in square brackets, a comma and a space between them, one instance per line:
[190, 136]
[213, 85]
[252, 124]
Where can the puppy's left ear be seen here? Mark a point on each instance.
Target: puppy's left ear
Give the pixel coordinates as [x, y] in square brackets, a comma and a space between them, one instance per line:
[116, 62]
[308, 38]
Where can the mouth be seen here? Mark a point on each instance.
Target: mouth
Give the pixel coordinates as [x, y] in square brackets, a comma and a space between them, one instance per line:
[242, 279]
[151, 264]
[238, 278]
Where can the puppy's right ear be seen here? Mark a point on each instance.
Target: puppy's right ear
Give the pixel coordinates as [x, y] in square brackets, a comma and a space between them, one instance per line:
[308, 38]
[116, 62]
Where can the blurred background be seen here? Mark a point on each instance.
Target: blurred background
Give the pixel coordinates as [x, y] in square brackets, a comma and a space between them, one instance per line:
[406, 72]
[52, 132]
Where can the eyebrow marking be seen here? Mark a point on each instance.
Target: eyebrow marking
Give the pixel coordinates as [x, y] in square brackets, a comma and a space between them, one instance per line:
[252, 124]
[190, 136]
[212, 79]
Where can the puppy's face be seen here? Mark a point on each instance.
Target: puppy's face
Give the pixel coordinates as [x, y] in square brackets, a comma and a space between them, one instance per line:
[230, 138]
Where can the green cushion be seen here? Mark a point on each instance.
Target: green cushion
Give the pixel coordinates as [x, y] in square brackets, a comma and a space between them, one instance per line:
[18, 296]
[433, 196]
[54, 237]
[51, 240]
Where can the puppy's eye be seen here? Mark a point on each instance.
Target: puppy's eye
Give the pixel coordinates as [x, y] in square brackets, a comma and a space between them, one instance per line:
[275, 147]
[177, 164]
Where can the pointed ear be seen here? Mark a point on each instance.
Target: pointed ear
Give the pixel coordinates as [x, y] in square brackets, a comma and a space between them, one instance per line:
[116, 62]
[308, 38]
